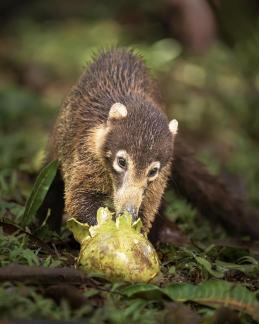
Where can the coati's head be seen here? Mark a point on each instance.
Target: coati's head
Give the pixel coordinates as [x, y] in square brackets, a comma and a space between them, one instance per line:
[136, 144]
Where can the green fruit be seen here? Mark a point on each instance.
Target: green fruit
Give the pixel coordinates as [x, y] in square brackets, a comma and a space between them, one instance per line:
[115, 250]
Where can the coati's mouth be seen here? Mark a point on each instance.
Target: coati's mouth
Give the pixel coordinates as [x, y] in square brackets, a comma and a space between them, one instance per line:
[132, 210]
[121, 203]
[128, 198]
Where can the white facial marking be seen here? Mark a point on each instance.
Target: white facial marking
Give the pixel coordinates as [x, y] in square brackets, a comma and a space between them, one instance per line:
[118, 111]
[130, 189]
[173, 126]
[99, 135]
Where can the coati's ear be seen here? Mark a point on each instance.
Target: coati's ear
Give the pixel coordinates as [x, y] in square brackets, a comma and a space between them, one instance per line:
[117, 111]
[173, 127]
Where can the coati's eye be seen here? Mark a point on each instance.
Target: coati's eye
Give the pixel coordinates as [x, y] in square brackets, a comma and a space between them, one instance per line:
[122, 162]
[152, 172]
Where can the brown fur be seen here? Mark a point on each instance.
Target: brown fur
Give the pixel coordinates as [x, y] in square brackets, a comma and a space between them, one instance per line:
[82, 138]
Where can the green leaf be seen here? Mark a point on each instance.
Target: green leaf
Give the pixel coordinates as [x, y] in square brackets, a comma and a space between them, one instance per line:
[39, 191]
[208, 266]
[216, 293]
[213, 293]
[141, 289]
[248, 269]
[135, 307]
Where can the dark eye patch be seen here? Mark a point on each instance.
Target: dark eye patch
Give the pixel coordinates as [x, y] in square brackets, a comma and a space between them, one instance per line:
[122, 162]
[152, 172]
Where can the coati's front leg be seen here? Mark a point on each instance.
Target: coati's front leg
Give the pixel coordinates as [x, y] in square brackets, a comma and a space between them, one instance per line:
[85, 190]
[83, 205]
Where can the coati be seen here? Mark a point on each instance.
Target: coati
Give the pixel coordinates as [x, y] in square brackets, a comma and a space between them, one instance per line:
[113, 141]
[116, 147]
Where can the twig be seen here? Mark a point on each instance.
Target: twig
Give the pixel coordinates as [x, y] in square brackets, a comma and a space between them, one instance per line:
[16, 272]
[22, 273]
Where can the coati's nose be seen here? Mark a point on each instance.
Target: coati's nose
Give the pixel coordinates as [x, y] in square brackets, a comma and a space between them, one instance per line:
[132, 210]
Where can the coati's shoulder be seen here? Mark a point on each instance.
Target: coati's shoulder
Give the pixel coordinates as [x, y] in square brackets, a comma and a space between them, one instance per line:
[118, 72]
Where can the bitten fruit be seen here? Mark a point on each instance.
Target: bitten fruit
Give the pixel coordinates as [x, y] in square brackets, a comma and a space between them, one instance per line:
[115, 250]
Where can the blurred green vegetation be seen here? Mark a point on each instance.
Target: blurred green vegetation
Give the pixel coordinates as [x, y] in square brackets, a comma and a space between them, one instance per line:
[215, 98]
[209, 95]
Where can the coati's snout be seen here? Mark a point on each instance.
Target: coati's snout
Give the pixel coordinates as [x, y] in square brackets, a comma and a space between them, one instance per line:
[136, 149]
[129, 184]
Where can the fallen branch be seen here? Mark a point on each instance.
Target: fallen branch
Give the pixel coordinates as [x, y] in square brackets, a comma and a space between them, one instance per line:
[16, 272]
